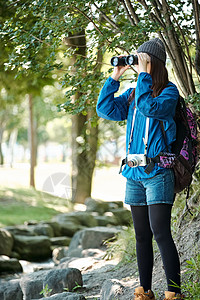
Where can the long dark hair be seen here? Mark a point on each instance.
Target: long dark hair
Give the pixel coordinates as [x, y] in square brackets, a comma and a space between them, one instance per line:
[159, 78]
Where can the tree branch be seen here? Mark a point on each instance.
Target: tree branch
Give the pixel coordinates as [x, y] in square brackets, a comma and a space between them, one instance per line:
[197, 30]
[144, 4]
[158, 4]
[97, 28]
[196, 17]
[84, 56]
[13, 3]
[89, 19]
[171, 41]
[132, 11]
[158, 15]
[183, 37]
[129, 8]
[127, 12]
[176, 51]
[155, 17]
[112, 23]
[35, 37]
[76, 36]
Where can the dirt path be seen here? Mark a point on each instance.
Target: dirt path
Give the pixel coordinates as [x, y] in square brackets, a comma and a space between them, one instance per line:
[96, 270]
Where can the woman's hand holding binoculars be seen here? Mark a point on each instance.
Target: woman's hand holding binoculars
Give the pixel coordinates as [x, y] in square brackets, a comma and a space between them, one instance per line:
[144, 62]
[118, 72]
[122, 63]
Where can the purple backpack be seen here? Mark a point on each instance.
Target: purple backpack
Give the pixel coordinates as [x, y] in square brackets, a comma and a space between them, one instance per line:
[183, 158]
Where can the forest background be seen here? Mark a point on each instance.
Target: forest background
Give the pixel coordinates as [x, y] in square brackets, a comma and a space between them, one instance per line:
[55, 57]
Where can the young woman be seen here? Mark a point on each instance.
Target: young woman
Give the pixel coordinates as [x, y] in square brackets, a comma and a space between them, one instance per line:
[150, 194]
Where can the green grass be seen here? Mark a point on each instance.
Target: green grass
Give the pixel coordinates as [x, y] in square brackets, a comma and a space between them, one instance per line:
[122, 246]
[25, 204]
[191, 279]
[191, 282]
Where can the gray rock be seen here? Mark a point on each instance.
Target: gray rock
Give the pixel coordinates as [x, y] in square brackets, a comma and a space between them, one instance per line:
[65, 296]
[21, 230]
[115, 204]
[70, 228]
[56, 280]
[59, 253]
[55, 226]
[31, 230]
[112, 289]
[123, 216]
[11, 291]
[84, 218]
[6, 242]
[60, 241]
[14, 255]
[93, 253]
[106, 220]
[32, 248]
[43, 229]
[96, 205]
[32, 285]
[68, 225]
[31, 222]
[101, 206]
[83, 263]
[80, 218]
[90, 238]
[9, 265]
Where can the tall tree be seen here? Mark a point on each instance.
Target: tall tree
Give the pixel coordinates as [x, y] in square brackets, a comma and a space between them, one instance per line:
[84, 136]
[119, 26]
[18, 80]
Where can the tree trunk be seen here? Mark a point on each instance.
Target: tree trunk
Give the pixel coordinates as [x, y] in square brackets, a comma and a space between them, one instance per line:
[80, 186]
[196, 12]
[1, 152]
[31, 141]
[84, 139]
[64, 148]
[84, 148]
[12, 142]
[2, 129]
[176, 53]
[35, 126]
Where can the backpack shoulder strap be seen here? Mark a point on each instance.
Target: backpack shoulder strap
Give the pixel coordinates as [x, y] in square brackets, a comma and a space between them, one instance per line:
[164, 134]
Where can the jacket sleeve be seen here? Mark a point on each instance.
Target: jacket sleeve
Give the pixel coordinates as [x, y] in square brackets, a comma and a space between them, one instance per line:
[110, 107]
[161, 107]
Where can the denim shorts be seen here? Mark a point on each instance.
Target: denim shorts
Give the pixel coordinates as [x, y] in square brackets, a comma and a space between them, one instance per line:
[158, 189]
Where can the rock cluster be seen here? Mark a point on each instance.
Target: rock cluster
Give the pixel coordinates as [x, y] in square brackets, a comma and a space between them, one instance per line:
[65, 236]
[79, 271]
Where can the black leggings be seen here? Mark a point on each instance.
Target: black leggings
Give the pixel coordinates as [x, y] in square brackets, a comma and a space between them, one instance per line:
[154, 220]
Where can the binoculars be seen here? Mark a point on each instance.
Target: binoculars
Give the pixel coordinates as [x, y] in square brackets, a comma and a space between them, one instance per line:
[124, 60]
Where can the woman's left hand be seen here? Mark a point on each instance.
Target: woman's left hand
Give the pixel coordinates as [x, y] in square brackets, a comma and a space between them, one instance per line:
[144, 62]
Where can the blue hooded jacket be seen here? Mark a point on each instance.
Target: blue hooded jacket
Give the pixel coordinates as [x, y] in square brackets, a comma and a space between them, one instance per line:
[161, 108]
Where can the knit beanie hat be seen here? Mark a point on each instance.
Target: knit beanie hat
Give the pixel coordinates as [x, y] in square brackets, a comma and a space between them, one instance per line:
[154, 47]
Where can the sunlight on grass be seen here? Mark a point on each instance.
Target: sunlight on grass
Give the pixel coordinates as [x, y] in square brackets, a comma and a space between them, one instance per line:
[23, 204]
[18, 214]
[19, 203]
